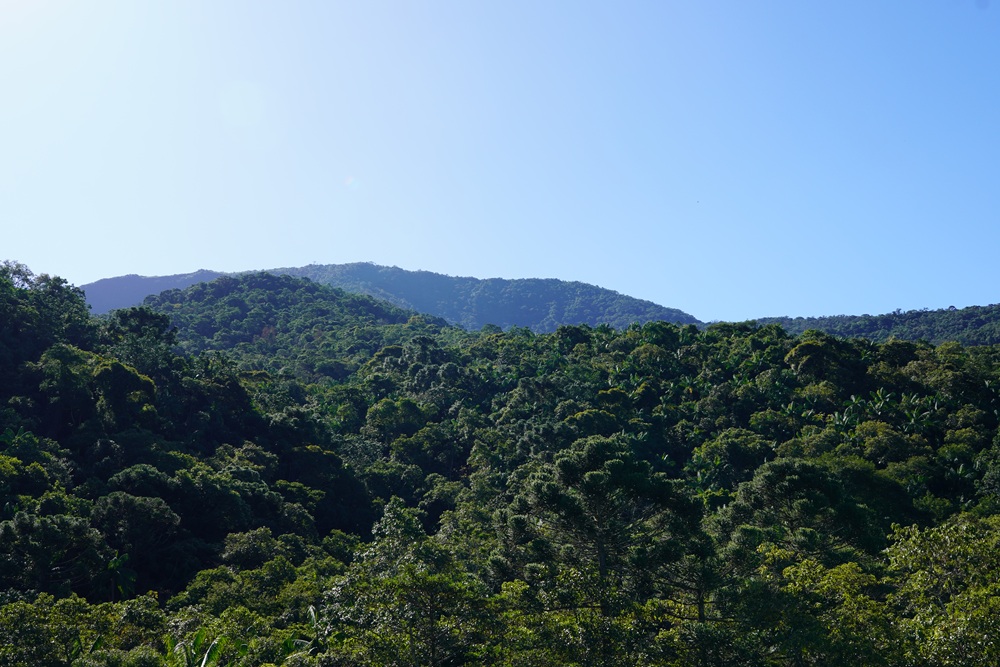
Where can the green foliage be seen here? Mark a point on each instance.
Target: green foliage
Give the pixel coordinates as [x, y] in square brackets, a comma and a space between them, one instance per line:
[276, 323]
[405, 600]
[656, 495]
[46, 632]
[947, 583]
[55, 554]
[975, 325]
[541, 305]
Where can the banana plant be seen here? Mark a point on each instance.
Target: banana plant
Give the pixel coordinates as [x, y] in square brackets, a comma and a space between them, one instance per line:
[305, 643]
[194, 652]
[120, 577]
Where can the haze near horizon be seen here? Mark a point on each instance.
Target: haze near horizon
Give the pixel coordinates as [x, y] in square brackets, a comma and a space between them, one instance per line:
[733, 160]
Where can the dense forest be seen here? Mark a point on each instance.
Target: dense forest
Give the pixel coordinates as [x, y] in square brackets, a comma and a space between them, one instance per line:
[109, 294]
[975, 325]
[263, 470]
[540, 305]
[544, 305]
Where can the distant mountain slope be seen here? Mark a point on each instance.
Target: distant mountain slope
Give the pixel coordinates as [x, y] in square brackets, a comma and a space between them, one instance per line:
[279, 322]
[539, 304]
[976, 325]
[124, 291]
[544, 304]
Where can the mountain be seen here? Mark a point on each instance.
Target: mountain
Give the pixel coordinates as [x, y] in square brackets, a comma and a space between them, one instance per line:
[538, 304]
[544, 304]
[285, 324]
[124, 291]
[975, 325]
[263, 470]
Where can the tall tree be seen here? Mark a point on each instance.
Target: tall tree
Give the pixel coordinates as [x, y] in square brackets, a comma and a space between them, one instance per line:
[405, 601]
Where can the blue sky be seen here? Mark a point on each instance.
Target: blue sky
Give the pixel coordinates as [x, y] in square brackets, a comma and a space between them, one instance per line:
[732, 159]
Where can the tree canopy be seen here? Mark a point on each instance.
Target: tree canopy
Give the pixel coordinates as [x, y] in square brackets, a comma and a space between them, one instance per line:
[264, 470]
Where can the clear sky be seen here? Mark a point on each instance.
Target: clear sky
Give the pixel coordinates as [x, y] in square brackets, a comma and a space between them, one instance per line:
[732, 158]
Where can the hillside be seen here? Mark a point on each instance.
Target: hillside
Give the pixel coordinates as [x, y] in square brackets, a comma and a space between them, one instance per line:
[544, 305]
[284, 324]
[123, 291]
[263, 470]
[976, 325]
[540, 305]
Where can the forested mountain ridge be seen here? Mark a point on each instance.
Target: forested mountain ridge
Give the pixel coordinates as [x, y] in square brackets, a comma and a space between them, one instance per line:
[975, 325]
[539, 304]
[108, 294]
[659, 495]
[281, 323]
[543, 305]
